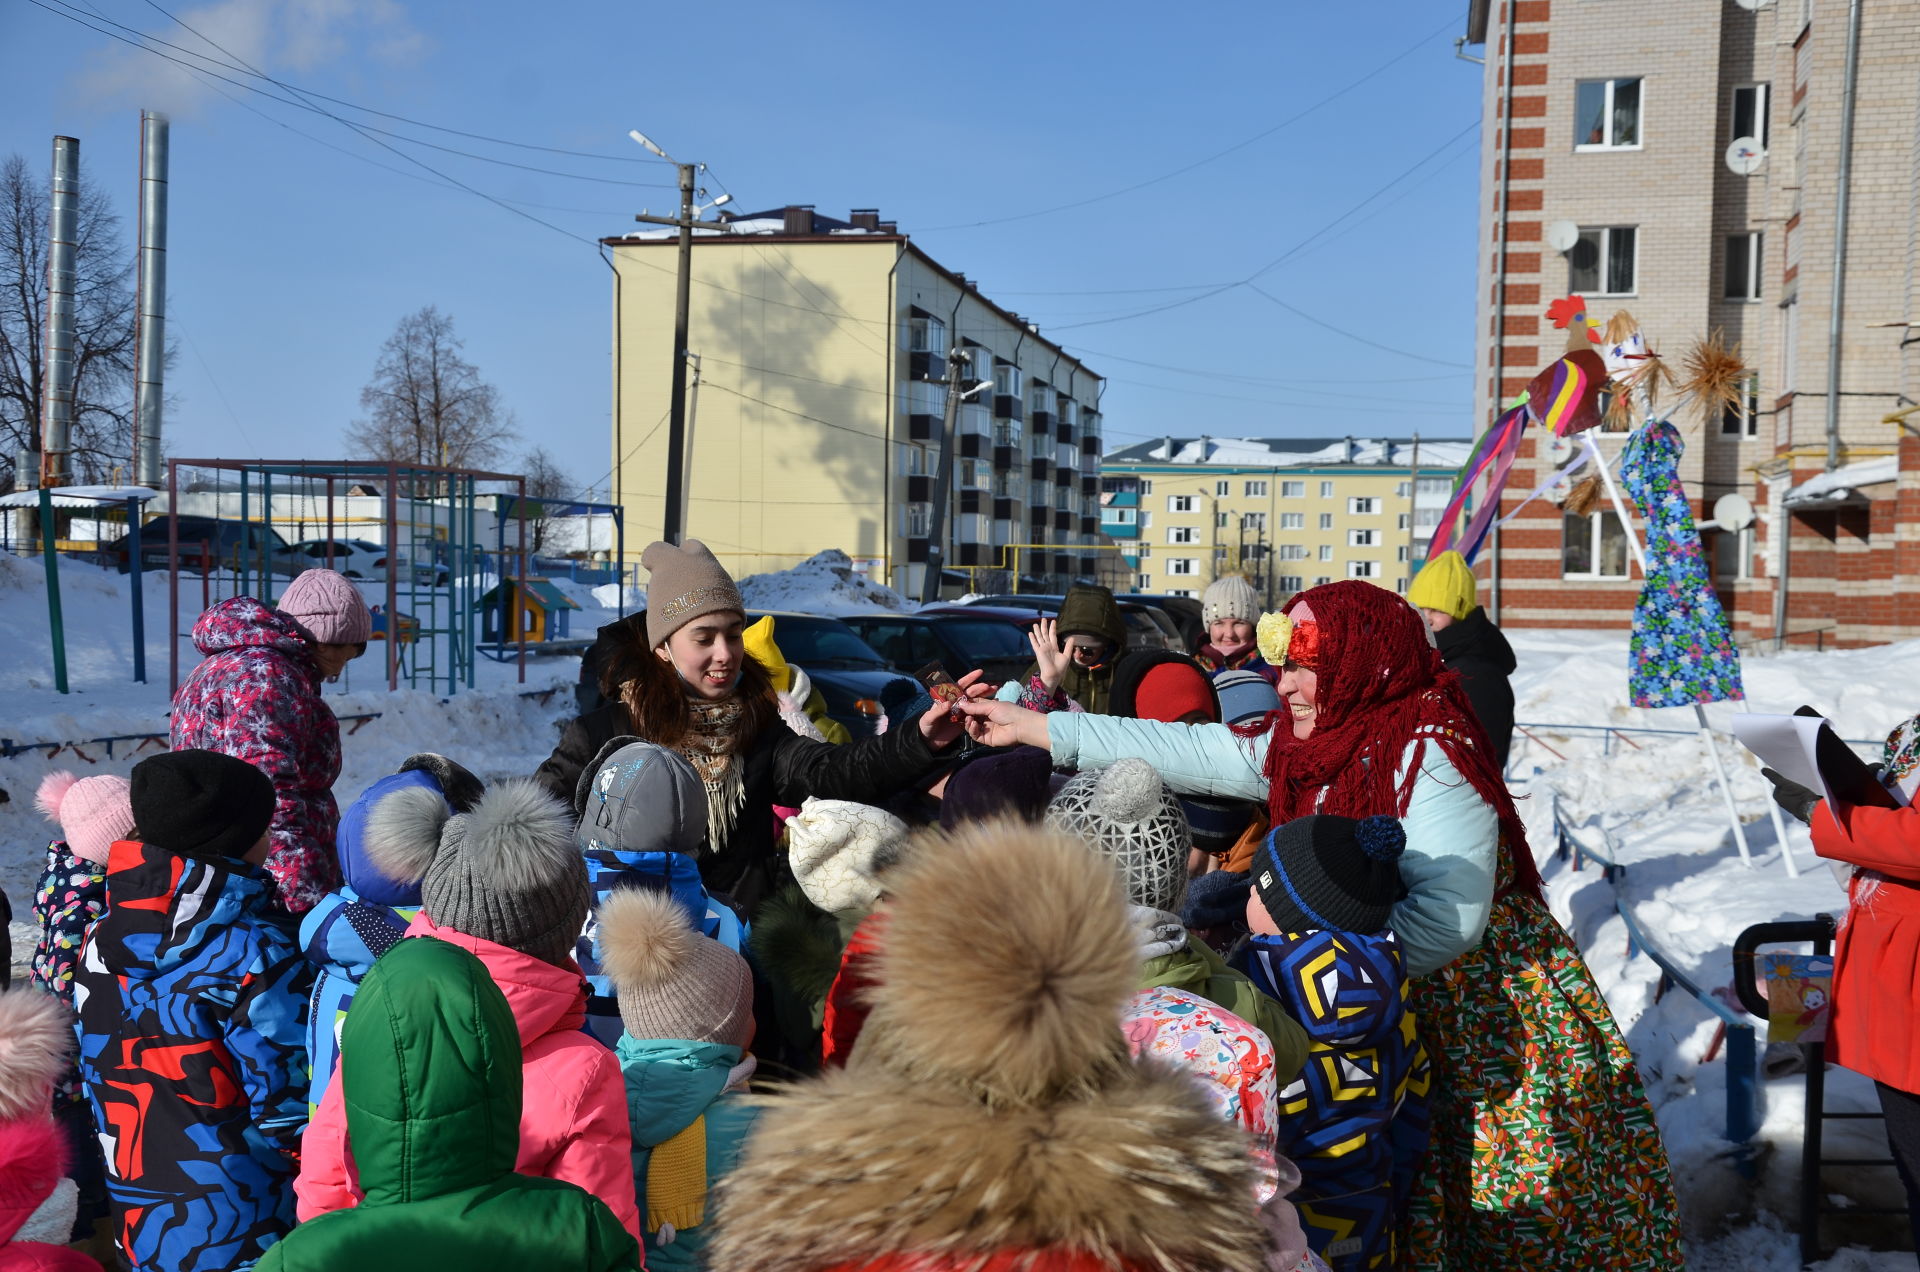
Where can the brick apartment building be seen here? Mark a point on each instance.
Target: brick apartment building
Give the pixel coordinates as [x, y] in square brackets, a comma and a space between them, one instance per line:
[1617, 119]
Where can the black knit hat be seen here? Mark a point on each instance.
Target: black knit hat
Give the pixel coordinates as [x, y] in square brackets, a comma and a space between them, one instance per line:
[201, 803]
[1331, 873]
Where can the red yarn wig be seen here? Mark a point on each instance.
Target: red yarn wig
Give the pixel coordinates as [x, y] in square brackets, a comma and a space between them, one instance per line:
[1381, 687]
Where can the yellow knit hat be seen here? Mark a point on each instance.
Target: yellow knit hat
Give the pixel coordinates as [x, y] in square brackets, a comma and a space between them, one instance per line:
[760, 646]
[1445, 583]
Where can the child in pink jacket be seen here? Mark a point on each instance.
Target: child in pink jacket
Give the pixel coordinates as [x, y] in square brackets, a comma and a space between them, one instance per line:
[505, 883]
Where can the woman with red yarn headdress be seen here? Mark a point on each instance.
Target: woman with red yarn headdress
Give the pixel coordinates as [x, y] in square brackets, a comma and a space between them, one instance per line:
[1544, 1152]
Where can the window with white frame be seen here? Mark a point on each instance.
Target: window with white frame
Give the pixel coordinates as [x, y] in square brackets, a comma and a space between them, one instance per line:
[915, 460]
[926, 397]
[1182, 565]
[1220, 489]
[1006, 380]
[919, 516]
[1322, 579]
[1742, 418]
[1146, 487]
[1402, 490]
[1789, 345]
[926, 334]
[1743, 265]
[1604, 261]
[979, 362]
[1326, 521]
[1143, 582]
[1363, 569]
[1293, 521]
[1405, 520]
[1326, 552]
[1400, 553]
[1435, 486]
[1733, 554]
[1290, 582]
[974, 474]
[1606, 114]
[1040, 398]
[1182, 503]
[1183, 534]
[1069, 412]
[1121, 516]
[1750, 113]
[1255, 520]
[1594, 547]
[1326, 490]
[1293, 552]
[1363, 538]
[1256, 490]
[1293, 489]
[1220, 520]
[1363, 505]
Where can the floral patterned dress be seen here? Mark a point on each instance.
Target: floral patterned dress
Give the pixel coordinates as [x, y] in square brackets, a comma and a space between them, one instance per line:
[1681, 653]
[1544, 1156]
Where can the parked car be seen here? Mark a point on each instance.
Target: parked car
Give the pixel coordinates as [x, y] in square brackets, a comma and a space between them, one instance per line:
[230, 544]
[358, 559]
[847, 671]
[1148, 627]
[959, 641]
[1185, 611]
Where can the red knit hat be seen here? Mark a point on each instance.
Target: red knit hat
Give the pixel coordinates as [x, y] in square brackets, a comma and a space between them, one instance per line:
[1173, 690]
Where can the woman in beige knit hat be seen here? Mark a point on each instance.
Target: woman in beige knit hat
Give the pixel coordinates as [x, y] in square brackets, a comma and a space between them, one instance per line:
[689, 685]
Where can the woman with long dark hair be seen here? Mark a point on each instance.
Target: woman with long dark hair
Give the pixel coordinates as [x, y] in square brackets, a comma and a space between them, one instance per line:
[1544, 1152]
[690, 686]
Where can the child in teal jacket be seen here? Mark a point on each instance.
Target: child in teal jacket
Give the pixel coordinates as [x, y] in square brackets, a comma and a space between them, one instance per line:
[686, 1002]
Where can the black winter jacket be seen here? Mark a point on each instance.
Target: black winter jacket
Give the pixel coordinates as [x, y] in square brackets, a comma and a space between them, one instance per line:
[781, 768]
[1476, 649]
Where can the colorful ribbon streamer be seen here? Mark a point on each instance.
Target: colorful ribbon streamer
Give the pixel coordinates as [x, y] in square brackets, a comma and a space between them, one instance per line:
[1492, 455]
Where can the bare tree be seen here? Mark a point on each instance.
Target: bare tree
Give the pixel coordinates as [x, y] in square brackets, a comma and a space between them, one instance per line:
[102, 435]
[426, 404]
[547, 484]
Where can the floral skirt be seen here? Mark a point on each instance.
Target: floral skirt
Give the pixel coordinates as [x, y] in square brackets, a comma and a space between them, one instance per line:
[1544, 1151]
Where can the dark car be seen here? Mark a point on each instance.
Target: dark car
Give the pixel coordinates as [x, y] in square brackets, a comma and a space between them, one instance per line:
[849, 673]
[960, 641]
[1148, 627]
[219, 542]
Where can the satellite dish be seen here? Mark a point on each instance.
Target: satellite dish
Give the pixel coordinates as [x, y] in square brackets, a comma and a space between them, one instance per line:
[1733, 513]
[1745, 155]
[1562, 235]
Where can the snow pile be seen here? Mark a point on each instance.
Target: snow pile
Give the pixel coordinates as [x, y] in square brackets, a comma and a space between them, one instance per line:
[824, 583]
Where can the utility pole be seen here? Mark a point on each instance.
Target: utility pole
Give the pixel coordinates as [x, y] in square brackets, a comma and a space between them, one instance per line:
[1413, 507]
[943, 478]
[675, 514]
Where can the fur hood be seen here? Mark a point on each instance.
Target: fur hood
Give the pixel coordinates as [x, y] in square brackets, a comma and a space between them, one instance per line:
[991, 1105]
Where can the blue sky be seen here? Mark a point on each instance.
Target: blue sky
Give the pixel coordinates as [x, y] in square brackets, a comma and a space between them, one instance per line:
[291, 261]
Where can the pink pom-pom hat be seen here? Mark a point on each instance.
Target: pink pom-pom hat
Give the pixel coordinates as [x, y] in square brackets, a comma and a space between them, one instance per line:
[91, 812]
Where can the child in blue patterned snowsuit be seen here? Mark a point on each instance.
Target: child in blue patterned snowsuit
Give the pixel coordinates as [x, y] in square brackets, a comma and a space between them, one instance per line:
[1354, 1121]
[352, 926]
[190, 991]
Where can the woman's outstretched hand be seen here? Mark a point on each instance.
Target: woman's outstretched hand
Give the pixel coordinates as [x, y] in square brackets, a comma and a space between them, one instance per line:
[994, 723]
[937, 723]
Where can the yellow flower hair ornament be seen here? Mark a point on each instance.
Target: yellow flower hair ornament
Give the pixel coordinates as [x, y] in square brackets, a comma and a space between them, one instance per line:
[1273, 634]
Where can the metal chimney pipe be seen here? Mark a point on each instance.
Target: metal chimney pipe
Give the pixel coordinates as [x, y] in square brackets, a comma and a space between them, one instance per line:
[150, 332]
[56, 416]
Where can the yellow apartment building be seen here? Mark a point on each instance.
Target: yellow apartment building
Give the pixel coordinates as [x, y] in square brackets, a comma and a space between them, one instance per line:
[1287, 513]
[820, 348]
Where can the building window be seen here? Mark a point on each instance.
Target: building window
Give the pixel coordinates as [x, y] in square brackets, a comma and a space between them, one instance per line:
[1742, 419]
[926, 335]
[1146, 486]
[1040, 399]
[1363, 505]
[1181, 503]
[1363, 569]
[1326, 552]
[1120, 516]
[1363, 538]
[1293, 521]
[1326, 521]
[1606, 114]
[1405, 520]
[1733, 554]
[1290, 583]
[1604, 261]
[1402, 489]
[1256, 490]
[1142, 582]
[1322, 579]
[1293, 552]
[1006, 381]
[916, 461]
[1743, 265]
[1220, 520]
[1750, 114]
[1256, 521]
[1400, 554]
[1220, 489]
[1183, 534]
[1595, 547]
[1182, 565]
[1326, 490]
[1789, 346]
[1293, 489]
[919, 517]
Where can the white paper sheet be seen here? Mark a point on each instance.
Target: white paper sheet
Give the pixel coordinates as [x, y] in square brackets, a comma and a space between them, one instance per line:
[1785, 744]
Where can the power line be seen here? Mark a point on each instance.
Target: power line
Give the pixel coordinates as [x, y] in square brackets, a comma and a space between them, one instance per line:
[1264, 133]
[1275, 381]
[1374, 344]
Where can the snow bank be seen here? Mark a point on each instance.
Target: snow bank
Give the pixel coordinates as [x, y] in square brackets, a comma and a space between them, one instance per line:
[825, 583]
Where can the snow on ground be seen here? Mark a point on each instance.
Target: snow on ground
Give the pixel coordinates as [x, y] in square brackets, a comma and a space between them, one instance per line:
[1651, 804]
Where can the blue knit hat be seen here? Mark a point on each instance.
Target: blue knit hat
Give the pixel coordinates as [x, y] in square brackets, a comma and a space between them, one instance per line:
[1329, 873]
[1245, 696]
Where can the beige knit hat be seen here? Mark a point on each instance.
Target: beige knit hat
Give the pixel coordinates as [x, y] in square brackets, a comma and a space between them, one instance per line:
[673, 982]
[838, 849]
[685, 582]
[1229, 596]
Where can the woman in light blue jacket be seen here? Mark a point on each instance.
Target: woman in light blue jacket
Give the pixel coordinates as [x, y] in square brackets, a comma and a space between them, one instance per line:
[1544, 1152]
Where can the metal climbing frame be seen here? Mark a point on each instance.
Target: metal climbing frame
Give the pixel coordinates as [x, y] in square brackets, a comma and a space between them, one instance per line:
[432, 533]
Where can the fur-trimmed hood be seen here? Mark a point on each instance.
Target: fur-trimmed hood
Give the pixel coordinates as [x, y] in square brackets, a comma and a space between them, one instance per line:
[991, 1105]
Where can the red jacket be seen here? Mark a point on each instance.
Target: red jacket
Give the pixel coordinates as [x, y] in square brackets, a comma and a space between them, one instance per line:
[846, 1010]
[1874, 1028]
[1008, 1261]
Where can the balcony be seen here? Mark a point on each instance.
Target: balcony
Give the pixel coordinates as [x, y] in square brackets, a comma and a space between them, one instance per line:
[1066, 459]
[917, 550]
[926, 366]
[1004, 509]
[1040, 517]
[919, 489]
[922, 428]
[1063, 433]
[1063, 562]
[1090, 564]
[1003, 459]
[1120, 529]
[1040, 469]
[1006, 406]
[1090, 444]
[1090, 484]
[1063, 521]
[973, 446]
[1089, 525]
[1040, 421]
[1120, 498]
[974, 554]
[972, 501]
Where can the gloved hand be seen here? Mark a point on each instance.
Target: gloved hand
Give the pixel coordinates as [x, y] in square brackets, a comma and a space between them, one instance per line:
[1797, 800]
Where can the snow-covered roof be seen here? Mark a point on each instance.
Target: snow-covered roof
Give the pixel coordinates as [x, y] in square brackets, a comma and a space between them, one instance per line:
[1842, 482]
[79, 496]
[1286, 452]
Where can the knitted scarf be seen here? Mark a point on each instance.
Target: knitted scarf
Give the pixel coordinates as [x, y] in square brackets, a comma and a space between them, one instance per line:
[710, 746]
[1382, 686]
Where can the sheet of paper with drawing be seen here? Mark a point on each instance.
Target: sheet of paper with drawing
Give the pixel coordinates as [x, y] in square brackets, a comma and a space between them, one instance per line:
[1804, 748]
